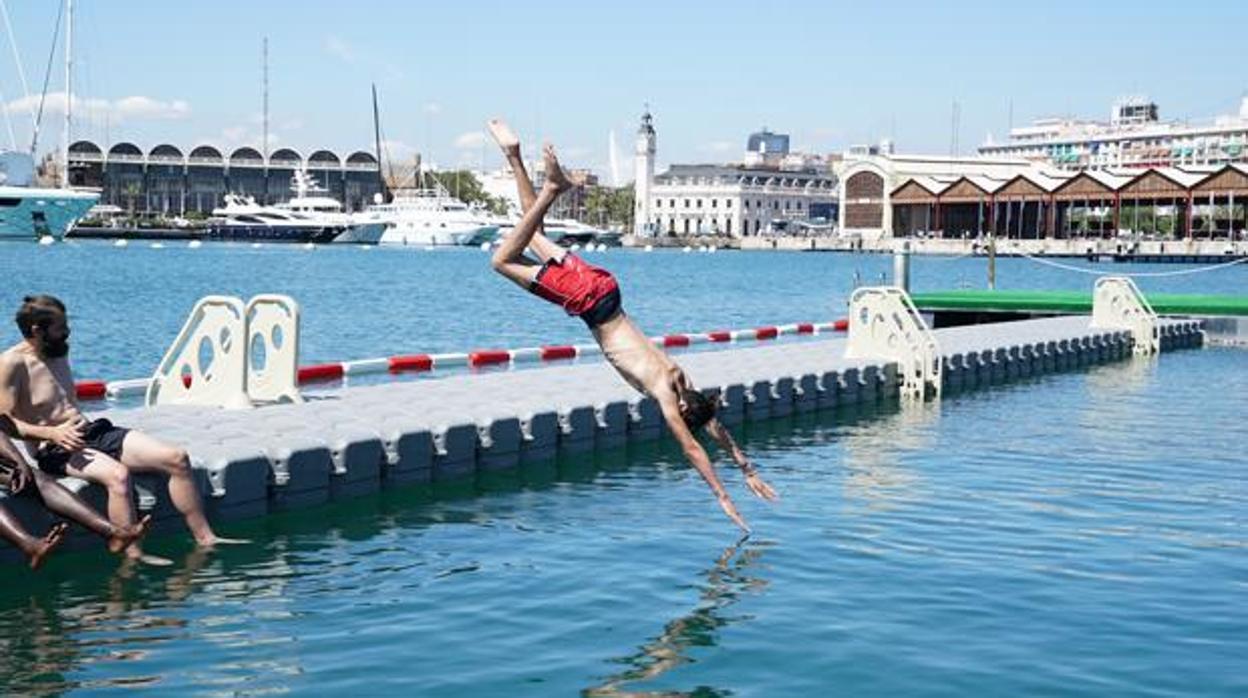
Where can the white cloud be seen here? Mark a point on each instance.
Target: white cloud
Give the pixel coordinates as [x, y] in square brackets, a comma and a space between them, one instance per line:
[470, 139]
[432, 108]
[133, 108]
[718, 147]
[139, 107]
[339, 49]
[397, 150]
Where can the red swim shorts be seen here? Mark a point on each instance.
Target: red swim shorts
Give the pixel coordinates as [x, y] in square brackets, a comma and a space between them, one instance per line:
[577, 287]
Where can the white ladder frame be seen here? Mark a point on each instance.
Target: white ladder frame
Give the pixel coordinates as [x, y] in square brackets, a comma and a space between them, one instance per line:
[1117, 304]
[273, 320]
[885, 324]
[232, 380]
[219, 321]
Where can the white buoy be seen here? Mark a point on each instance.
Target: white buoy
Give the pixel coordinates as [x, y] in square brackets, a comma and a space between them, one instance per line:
[195, 244]
[309, 246]
[120, 243]
[428, 248]
[366, 247]
[576, 246]
[602, 247]
[687, 249]
[47, 240]
[485, 247]
[157, 245]
[256, 245]
[649, 248]
[712, 248]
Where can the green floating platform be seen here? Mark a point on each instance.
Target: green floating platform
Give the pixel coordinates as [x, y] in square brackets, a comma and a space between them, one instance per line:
[1074, 302]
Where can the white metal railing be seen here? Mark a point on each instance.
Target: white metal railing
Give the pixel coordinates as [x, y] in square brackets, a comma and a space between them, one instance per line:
[273, 349]
[1118, 304]
[884, 324]
[206, 364]
[232, 355]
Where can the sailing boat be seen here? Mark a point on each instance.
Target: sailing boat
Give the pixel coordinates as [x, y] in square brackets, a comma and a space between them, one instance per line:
[32, 213]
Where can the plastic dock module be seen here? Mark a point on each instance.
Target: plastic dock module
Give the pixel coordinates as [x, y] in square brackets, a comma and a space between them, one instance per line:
[356, 440]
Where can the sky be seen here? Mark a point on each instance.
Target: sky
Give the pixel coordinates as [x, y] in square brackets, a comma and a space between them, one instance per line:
[831, 74]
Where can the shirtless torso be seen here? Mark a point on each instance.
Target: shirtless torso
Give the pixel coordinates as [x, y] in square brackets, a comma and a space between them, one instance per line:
[636, 359]
[36, 390]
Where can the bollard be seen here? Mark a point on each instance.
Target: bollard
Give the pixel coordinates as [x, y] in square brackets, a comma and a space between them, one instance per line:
[901, 266]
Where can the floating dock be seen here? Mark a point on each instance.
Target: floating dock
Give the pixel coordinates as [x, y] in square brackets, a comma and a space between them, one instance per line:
[1225, 318]
[359, 440]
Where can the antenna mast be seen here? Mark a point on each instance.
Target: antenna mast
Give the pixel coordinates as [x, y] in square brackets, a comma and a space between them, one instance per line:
[265, 145]
[69, 87]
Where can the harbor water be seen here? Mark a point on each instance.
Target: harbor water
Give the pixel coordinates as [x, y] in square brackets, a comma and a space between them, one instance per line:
[1079, 534]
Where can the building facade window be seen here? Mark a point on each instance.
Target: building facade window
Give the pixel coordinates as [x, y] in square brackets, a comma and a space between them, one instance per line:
[714, 203]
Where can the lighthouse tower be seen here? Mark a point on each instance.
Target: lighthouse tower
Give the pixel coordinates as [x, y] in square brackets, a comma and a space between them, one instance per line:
[645, 177]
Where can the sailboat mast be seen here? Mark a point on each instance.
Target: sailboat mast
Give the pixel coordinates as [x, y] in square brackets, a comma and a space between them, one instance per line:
[69, 88]
[381, 179]
[265, 61]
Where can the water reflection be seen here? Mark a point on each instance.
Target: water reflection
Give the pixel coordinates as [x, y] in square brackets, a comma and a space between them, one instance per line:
[728, 580]
[874, 449]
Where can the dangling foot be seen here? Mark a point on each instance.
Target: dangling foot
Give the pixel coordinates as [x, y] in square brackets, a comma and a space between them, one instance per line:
[554, 173]
[54, 537]
[504, 136]
[126, 536]
[153, 560]
[218, 540]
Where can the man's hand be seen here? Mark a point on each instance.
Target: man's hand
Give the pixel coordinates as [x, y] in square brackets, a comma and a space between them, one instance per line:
[69, 434]
[725, 503]
[760, 488]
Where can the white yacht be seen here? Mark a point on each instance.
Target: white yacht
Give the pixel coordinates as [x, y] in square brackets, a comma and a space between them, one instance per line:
[313, 202]
[429, 217]
[568, 232]
[31, 213]
[241, 218]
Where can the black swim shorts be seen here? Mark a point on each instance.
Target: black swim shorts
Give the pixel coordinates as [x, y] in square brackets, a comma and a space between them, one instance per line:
[99, 435]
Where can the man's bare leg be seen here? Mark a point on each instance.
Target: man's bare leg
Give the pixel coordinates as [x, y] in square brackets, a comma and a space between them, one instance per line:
[115, 479]
[35, 549]
[509, 259]
[66, 504]
[510, 145]
[143, 453]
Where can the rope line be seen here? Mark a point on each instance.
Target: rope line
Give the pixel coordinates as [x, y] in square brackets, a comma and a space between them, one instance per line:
[1152, 274]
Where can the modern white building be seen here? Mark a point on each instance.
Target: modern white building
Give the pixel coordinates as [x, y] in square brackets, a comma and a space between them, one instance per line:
[1134, 137]
[734, 199]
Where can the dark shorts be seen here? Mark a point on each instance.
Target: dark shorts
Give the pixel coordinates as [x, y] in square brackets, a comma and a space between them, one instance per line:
[584, 290]
[99, 435]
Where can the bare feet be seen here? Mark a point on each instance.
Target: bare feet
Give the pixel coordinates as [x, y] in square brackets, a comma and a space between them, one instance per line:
[504, 136]
[124, 537]
[152, 560]
[554, 173]
[218, 540]
[54, 537]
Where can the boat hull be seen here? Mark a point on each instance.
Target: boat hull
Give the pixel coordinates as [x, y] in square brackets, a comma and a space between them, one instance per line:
[30, 214]
[439, 237]
[263, 233]
[362, 234]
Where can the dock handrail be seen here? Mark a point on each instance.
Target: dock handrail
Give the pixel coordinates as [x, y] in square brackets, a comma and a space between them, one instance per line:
[884, 324]
[207, 362]
[273, 349]
[1118, 304]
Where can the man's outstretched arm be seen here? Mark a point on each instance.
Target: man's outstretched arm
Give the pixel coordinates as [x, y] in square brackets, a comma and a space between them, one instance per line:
[700, 461]
[752, 479]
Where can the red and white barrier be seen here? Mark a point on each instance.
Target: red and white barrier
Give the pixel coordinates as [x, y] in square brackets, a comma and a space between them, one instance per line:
[416, 363]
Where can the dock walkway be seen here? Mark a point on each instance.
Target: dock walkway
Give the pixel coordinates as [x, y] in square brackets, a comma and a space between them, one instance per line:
[359, 440]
